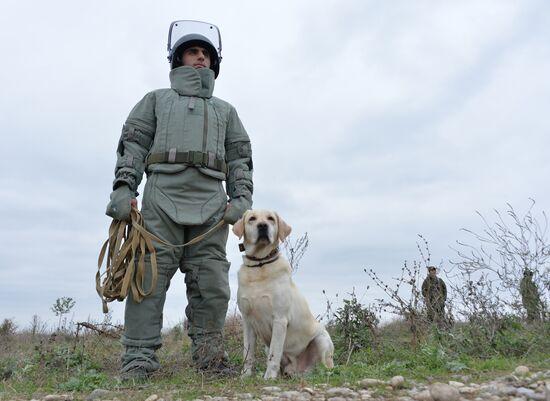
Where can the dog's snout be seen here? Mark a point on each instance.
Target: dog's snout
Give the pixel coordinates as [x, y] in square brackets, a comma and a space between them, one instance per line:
[262, 227]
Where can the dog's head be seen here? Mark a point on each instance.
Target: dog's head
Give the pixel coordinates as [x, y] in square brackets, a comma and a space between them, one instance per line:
[261, 229]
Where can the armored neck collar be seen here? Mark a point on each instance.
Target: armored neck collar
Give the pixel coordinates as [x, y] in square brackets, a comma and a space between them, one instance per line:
[251, 261]
[189, 81]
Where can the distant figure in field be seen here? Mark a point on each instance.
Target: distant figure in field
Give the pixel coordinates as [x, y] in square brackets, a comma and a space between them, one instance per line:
[530, 296]
[434, 292]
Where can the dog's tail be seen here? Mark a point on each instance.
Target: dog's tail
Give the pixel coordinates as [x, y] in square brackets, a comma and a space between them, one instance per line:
[327, 350]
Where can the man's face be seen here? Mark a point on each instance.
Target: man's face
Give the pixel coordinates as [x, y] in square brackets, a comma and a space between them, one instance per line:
[197, 57]
[432, 272]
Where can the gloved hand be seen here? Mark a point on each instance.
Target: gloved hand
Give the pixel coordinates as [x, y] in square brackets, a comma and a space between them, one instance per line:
[120, 205]
[235, 209]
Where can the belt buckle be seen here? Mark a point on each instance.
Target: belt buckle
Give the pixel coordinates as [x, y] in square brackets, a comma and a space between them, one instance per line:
[196, 158]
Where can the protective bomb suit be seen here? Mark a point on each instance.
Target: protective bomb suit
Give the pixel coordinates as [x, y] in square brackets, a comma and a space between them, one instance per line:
[187, 142]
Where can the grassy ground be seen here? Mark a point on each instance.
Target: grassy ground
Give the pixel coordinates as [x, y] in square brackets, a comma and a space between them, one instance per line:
[32, 366]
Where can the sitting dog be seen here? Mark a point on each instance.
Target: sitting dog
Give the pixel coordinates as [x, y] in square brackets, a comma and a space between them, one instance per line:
[270, 304]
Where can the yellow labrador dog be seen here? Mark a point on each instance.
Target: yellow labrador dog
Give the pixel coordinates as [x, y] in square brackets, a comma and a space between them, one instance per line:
[271, 306]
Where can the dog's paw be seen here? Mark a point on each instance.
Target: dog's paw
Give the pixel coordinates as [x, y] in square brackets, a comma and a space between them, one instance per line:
[270, 374]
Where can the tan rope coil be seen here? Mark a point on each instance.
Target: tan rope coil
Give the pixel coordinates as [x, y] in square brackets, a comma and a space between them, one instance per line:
[128, 240]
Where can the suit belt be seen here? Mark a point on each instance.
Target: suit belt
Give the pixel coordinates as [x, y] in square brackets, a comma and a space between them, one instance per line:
[192, 158]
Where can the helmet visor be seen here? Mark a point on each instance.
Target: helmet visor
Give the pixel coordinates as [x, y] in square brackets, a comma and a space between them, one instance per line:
[179, 29]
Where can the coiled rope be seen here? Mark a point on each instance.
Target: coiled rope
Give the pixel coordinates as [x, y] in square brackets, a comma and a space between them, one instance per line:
[125, 268]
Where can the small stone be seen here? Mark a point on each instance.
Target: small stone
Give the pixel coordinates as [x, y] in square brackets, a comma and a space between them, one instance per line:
[443, 392]
[467, 390]
[97, 394]
[57, 397]
[488, 388]
[366, 383]
[220, 399]
[506, 390]
[397, 382]
[290, 395]
[244, 396]
[456, 384]
[526, 392]
[521, 371]
[308, 390]
[537, 375]
[270, 398]
[271, 389]
[511, 378]
[336, 399]
[423, 396]
[152, 397]
[364, 394]
[340, 392]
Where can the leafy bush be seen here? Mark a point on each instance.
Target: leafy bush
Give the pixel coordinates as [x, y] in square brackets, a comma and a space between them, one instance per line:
[354, 326]
[8, 328]
[85, 380]
[7, 367]
[63, 357]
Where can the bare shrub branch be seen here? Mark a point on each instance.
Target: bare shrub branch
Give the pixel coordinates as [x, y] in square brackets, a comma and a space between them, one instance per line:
[494, 263]
[409, 306]
[295, 250]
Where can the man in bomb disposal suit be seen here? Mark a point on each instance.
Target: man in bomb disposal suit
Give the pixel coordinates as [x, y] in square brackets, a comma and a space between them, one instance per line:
[188, 142]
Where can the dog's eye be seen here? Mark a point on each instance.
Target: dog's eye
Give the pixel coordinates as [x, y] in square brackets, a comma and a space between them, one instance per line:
[271, 218]
[252, 219]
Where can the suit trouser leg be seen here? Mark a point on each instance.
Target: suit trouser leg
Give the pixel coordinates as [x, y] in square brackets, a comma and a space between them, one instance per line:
[143, 320]
[206, 277]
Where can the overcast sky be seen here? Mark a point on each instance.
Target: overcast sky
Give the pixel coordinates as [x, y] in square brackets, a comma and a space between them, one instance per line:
[371, 122]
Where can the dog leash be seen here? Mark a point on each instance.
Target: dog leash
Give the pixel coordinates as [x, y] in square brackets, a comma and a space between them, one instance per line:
[123, 272]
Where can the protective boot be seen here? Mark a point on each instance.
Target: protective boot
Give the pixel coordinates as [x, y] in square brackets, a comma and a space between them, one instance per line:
[138, 363]
[209, 356]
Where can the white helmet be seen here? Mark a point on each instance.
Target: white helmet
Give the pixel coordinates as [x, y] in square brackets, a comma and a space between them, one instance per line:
[186, 33]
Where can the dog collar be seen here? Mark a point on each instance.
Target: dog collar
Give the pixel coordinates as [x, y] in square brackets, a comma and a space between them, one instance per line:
[259, 262]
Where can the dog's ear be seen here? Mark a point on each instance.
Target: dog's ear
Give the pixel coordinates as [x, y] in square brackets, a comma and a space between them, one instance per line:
[284, 229]
[238, 227]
